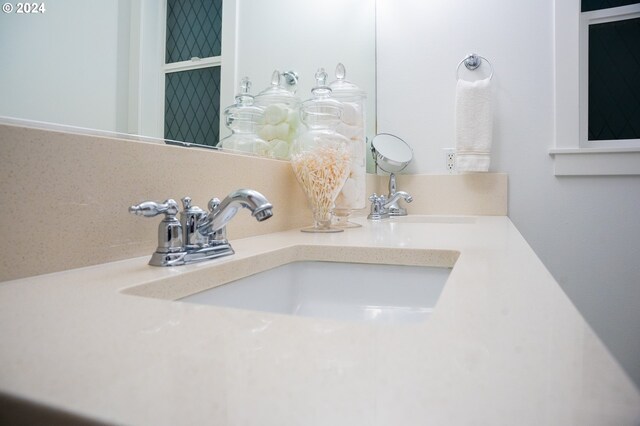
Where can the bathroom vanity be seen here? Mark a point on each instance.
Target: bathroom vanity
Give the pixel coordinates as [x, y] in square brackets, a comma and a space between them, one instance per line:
[92, 333]
[503, 345]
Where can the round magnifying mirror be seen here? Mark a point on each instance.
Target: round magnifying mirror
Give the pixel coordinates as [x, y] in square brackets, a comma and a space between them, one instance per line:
[390, 153]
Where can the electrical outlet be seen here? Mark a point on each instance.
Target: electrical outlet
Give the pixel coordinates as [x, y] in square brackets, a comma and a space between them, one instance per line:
[450, 160]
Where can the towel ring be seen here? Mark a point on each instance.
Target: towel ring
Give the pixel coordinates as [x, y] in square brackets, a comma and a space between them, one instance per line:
[473, 61]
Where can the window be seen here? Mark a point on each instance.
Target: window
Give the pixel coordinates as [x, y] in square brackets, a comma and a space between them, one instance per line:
[192, 71]
[597, 87]
[609, 74]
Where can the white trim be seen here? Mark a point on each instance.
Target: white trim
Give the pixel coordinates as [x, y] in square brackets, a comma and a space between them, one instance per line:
[146, 83]
[593, 150]
[229, 51]
[193, 64]
[162, 54]
[572, 158]
[145, 64]
[135, 101]
[620, 13]
[596, 162]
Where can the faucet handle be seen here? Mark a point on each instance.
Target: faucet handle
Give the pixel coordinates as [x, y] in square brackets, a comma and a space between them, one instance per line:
[377, 207]
[186, 203]
[188, 209]
[190, 219]
[151, 208]
[170, 249]
[377, 200]
[213, 204]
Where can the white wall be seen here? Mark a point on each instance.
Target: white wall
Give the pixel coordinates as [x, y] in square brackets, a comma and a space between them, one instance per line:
[68, 56]
[585, 229]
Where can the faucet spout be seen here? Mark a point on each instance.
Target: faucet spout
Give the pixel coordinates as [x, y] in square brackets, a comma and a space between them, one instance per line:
[396, 197]
[222, 213]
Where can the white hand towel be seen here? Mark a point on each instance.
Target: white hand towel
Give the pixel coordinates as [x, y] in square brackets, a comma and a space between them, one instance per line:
[474, 125]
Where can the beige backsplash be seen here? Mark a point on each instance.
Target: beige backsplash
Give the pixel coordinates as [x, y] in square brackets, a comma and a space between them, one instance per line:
[456, 194]
[65, 196]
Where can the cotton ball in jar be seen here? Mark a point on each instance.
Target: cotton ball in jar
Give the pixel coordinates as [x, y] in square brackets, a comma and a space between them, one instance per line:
[351, 113]
[281, 131]
[293, 118]
[275, 113]
[267, 132]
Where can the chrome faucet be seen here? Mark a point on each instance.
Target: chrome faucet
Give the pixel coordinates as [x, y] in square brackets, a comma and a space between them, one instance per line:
[395, 196]
[383, 207]
[223, 212]
[199, 235]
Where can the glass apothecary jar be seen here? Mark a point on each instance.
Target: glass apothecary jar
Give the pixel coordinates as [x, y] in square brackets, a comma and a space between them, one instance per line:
[353, 194]
[243, 119]
[320, 156]
[280, 122]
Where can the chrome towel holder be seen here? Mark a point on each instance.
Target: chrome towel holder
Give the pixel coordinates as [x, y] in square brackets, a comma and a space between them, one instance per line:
[472, 62]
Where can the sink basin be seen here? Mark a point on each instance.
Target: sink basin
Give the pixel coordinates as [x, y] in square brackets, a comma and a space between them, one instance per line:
[336, 290]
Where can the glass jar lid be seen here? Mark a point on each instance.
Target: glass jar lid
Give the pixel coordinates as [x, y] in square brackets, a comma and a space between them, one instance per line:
[321, 110]
[342, 88]
[276, 93]
[243, 115]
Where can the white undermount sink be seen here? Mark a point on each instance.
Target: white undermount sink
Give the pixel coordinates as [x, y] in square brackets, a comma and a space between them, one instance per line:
[336, 290]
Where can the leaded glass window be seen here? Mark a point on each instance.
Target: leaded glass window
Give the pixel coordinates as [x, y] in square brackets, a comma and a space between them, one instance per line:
[610, 68]
[192, 71]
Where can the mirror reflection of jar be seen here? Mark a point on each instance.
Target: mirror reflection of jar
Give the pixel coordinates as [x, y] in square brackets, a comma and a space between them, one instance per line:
[279, 124]
[320, 156]
[353, 194]
[243, 119]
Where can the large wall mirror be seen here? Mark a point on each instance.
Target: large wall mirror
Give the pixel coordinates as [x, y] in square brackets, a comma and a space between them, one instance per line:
[101, 64]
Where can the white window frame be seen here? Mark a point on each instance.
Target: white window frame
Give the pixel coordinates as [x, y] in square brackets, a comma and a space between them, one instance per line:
[573, 154]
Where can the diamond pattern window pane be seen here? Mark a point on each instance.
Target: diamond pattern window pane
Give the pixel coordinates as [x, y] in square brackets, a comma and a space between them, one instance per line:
[588, 5]
[614, 80]
[193, 29]
[192, 106]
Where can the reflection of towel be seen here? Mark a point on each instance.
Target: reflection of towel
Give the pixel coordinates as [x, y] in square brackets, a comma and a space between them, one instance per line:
[474, 125]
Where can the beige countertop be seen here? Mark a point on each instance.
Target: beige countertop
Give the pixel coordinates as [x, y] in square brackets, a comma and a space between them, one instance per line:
[503, 346]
